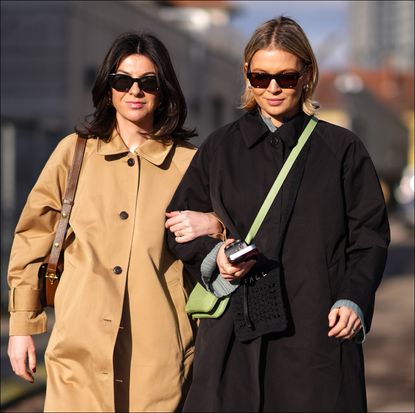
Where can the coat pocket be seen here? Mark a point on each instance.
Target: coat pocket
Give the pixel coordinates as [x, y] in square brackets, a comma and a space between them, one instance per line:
[178, 296]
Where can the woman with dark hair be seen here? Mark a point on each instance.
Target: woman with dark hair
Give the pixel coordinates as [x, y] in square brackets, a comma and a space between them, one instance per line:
[290, 338]
[122, 340]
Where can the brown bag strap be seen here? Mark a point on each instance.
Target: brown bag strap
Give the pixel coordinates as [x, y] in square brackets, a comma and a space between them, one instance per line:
[67, 204]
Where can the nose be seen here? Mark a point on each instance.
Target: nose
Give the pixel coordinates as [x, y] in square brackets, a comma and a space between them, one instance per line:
[135, 89]
[273, 86]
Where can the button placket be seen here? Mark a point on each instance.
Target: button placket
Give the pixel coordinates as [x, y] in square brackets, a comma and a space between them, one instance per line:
[124, 215]
[274, 140]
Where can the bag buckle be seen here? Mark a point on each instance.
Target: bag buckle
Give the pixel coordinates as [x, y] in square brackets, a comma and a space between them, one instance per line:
[52, 277]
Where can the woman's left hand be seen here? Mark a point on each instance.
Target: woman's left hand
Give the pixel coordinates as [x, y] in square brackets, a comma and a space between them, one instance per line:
[230, 271]
[188, 225]
[344, 323]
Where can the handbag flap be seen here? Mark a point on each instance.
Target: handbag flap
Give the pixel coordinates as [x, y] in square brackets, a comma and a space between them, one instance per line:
[217, 311]
[200, 300]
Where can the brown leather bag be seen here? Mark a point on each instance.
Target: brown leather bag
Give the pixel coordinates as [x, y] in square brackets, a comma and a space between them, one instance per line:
[51, 269]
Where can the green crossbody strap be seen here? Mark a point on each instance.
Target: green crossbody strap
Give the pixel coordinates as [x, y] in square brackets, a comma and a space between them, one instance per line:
[280, 179]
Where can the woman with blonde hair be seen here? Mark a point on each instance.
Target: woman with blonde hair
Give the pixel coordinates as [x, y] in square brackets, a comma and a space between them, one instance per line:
[298, 311]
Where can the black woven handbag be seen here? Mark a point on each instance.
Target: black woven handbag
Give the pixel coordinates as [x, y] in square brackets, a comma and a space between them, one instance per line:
[258, 305]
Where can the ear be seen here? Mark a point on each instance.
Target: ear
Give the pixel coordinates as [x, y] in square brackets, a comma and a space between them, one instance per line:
[245, 68]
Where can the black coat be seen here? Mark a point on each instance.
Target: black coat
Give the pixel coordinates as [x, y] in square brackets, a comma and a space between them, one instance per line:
[334, 248]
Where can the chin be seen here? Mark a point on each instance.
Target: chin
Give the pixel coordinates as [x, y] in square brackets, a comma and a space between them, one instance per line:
[282, 113]
[136, 119]
[275, 112]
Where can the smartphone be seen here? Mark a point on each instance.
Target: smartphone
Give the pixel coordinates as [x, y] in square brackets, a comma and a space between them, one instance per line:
[240, 251]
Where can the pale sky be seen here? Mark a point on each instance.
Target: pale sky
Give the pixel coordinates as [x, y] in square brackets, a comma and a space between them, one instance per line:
[324, 22]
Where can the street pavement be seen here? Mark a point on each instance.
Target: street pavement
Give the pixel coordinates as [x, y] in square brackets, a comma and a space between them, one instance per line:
[389, 347]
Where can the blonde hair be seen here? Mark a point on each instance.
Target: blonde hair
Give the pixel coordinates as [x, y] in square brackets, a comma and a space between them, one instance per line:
[285, 34]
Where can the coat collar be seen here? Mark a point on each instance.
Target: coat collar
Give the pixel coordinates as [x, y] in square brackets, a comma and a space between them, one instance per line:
[253, 128]
[151, 150]
[154, 151]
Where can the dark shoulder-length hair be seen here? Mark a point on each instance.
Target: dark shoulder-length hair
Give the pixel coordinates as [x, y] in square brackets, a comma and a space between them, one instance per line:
[171, 112]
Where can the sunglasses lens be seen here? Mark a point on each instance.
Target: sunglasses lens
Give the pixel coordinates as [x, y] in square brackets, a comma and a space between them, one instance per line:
[148, 84]
[287, 80]
[260, 80]
[121, 83]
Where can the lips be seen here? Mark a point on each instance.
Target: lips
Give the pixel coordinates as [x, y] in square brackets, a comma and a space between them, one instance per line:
[275, 102]
[135, 105]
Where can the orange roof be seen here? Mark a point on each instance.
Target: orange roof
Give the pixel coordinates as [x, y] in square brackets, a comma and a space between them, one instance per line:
[395, 89]
[391, 87]
[326, 93]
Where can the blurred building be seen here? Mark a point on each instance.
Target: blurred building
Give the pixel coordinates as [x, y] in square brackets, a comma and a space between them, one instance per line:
[378, 106]
[208, 21]
[374, 95]
[50, 54]
[382, 32]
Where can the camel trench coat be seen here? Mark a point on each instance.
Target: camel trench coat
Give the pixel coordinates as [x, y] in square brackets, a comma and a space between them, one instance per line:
[119, 280]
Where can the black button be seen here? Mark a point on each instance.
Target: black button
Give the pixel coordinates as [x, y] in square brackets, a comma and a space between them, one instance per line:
[131, 162]
[117, 270]
[274, 141]
[123, 214]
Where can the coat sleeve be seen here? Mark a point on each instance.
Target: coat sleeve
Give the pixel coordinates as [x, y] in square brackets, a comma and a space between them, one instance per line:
[33, 239]
[368, 230]
[193, 194]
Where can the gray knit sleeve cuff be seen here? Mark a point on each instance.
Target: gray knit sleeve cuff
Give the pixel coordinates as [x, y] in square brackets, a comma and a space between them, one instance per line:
[360, 337]
[211, 278]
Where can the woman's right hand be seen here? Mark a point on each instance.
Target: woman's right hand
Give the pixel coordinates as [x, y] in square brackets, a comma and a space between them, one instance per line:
[21, 351]
[188, 225]
[232, 271]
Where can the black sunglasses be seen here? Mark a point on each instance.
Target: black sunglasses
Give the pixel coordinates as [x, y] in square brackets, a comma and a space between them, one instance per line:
[287, 80]
[123, 83]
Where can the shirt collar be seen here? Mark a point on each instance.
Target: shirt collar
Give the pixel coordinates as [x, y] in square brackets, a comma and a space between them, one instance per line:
[269, 123]
[253, 128]
[151, 150]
